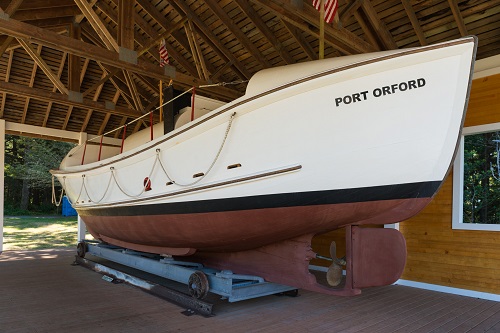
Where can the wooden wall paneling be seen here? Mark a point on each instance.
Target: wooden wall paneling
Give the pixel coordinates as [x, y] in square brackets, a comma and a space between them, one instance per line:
[438, 254]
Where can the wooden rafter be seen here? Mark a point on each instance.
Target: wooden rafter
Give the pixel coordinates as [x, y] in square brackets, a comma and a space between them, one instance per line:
[7, 77]
[82, 49]
[74, 61]
[349, 10]
[97, 24]
[122, 123]
[209, 37]
[5, 45]
[43, 95]
[126, 23]
[121, 88]
[299, 38]
[13, 6]
[378, 26]
[237, 32]
[195, 51]
[367, 30]
[458, 17]
[71, 107]
[414, 22]
[10, 10]
[90, 111]
[108, 115]
[59, 73]
[170, 29]
[133, 90]
[307, 20]
[32, 81]
[43, 65]
[264, 30]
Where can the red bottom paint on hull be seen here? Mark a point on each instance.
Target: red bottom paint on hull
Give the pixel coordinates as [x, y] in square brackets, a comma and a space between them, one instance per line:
[231, 231]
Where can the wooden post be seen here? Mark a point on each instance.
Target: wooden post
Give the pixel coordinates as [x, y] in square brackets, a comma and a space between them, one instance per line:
[82, 229]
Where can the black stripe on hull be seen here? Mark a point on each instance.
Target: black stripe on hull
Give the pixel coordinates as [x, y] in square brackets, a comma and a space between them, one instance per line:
[365, 194]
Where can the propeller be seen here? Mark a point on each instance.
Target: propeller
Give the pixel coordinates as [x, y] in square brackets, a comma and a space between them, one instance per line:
[334, 273]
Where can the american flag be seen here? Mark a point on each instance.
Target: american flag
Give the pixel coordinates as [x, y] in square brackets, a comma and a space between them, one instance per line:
[331, 7]
[163, 54]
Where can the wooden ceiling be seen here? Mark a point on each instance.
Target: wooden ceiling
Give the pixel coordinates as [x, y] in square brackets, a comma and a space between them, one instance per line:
[93, 65]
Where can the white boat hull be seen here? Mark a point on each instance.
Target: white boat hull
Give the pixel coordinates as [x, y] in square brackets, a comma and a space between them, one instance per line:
[363, 142]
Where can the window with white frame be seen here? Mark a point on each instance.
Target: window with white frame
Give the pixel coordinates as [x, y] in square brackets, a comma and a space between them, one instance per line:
[476, 179]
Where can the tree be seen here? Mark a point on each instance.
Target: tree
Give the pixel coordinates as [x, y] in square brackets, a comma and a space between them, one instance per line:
[27, 165]
[482, 178]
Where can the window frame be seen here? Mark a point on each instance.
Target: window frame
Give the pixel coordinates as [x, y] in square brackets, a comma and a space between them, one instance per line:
[458, 182]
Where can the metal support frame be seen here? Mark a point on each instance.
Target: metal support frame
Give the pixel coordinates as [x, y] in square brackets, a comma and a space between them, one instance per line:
[233, 287]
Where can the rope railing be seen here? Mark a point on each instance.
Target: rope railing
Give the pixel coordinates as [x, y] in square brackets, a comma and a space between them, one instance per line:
[86, 190]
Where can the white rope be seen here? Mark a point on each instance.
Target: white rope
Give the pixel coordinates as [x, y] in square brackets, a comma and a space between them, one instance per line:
[143, 189]
[54, 200]
[105, 191]
[211, 165]
[157, 160]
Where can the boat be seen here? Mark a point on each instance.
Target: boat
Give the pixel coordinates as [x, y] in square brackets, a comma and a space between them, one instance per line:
[309, 148]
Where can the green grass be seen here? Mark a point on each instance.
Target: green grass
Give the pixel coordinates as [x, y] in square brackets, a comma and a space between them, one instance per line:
[34, 233]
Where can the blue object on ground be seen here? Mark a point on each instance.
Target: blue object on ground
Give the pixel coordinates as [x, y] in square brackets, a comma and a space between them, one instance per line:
[67, 209]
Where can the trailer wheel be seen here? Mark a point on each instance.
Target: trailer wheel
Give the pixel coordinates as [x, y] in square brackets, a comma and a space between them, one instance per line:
[198, 285]
[81, 249]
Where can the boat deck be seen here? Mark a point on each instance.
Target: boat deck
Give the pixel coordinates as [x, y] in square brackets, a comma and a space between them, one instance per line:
[41, 292]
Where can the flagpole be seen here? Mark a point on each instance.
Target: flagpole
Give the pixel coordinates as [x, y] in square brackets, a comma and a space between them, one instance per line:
[161, 100]
[322, 29]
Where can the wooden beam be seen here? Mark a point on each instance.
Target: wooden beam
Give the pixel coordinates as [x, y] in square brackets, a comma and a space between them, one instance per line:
[7, 77]
[97, 24]
[307, 20]
[46, 13]
[126, 23]
[122, 123]
[90, 111]
[349, 10]
[82, 49]
[43, 95]
[32, 81]
[133, 90]
[195, 51]
[74, 61]
[70, 108]
[300, 40]
[367, 30]
[458, 17]
[210, 37]
[119, 87]
[108, 115]
[59, 73]
[379, 26]
[236, 31]
[43, 65]
[414, 22]
[264, 30]
[158, 37]
[13, 7]
[5, 45]
[101, 81]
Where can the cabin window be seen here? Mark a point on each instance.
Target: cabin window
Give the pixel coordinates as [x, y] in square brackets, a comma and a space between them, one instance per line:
[476, 179]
